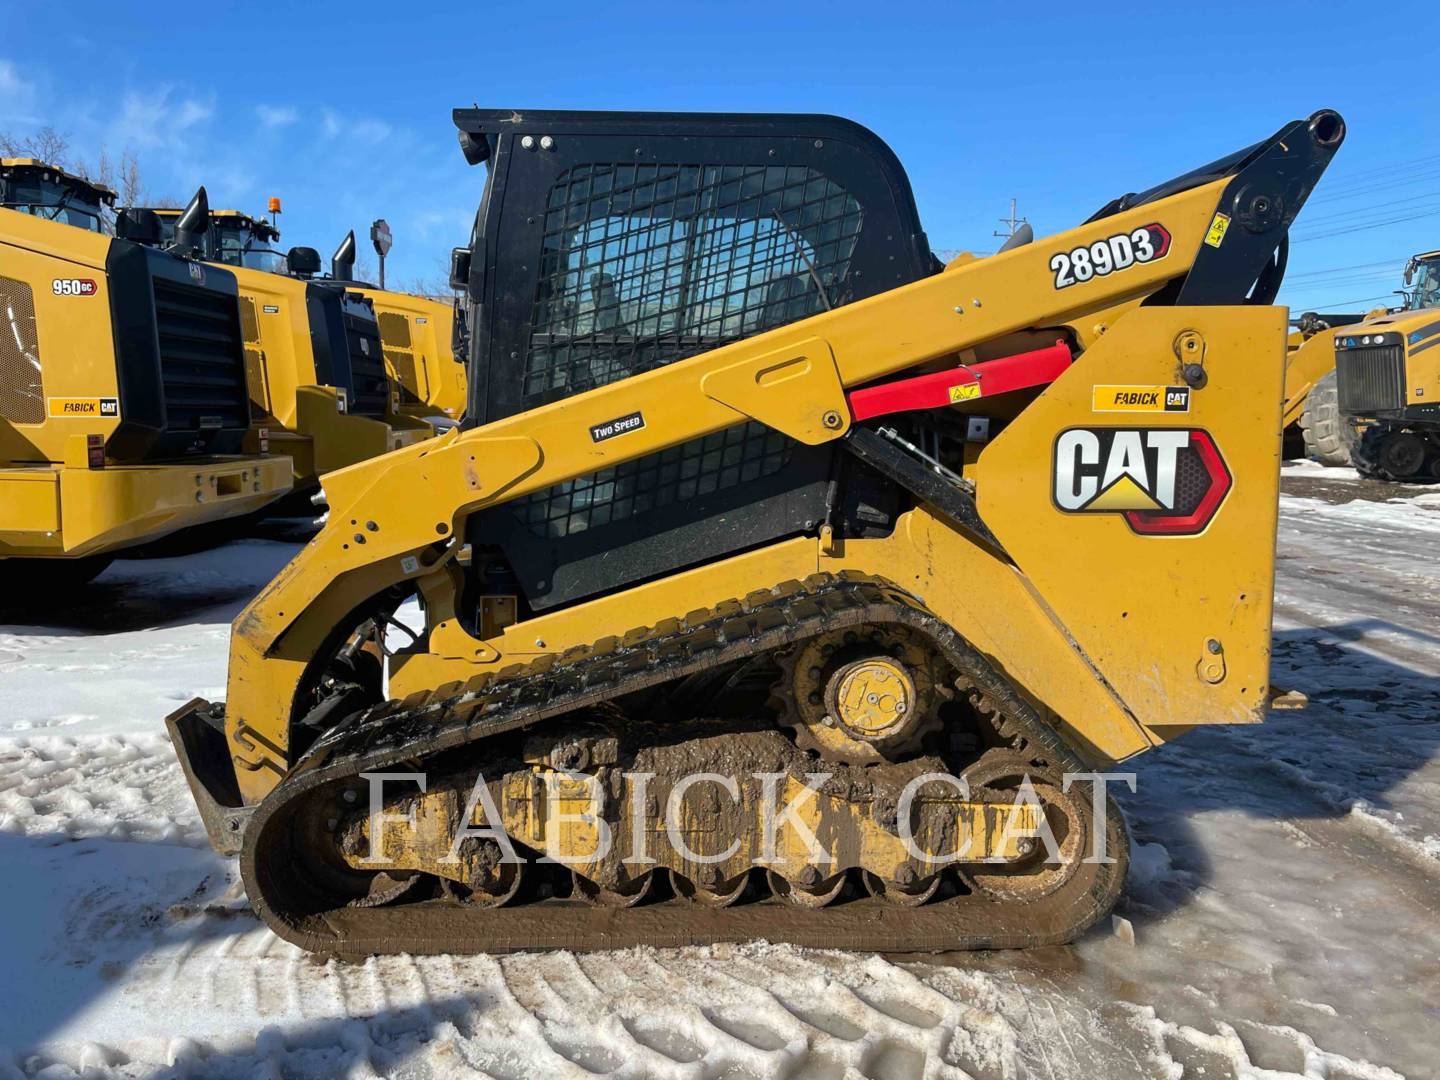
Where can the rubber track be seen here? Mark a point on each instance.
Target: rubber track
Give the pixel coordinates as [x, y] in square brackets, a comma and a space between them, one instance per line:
[458, 714]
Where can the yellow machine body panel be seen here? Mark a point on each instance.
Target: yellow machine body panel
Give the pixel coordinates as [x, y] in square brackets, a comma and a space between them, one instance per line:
[1419, 334]
[60, 401]
[426, 379]
[58, 378]
[49, 510]
[1176, 622]
[302, 417]
[1308, 359]
[279, 357]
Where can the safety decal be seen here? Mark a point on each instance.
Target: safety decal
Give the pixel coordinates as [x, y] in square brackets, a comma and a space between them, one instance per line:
[964, 392]
[1140, 399]
[73, 286]
[409, 564]
[621, 425]
[1215, 236]
[84, 406]
[1114, 253]
[1162, 481]
[271, 309]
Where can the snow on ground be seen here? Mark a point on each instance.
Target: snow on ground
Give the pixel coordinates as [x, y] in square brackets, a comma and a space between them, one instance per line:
[1282, 917]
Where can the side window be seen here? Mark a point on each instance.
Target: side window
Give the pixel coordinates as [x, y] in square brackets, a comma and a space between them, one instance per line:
[643, 265]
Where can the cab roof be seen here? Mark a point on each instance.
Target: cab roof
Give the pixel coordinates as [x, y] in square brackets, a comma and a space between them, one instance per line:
[101, 192]
[259, 226]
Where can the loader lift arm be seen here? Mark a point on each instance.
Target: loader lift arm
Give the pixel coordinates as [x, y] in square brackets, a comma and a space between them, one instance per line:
[792, 379]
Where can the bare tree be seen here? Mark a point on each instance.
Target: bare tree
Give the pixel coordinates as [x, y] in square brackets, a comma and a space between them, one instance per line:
[47, 145]
[131, 191]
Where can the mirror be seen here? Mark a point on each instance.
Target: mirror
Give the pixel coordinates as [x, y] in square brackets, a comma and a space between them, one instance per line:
[304, 262]
[139, 226]
[459, 268]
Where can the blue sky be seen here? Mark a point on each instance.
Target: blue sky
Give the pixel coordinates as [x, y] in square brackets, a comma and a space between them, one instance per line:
[344, 112]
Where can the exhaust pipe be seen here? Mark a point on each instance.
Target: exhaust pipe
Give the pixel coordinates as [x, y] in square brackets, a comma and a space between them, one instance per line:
[342, 263]
[192, 225]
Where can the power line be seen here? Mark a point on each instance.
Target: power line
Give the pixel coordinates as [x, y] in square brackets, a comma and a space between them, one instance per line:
[1363, 226]
[1311, 219]
[1331, 305]
[1339, 269]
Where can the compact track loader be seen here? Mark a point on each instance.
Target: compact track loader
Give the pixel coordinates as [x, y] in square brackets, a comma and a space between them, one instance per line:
[122, 388]
[780, 582]
[1388, 374]
[314, 359]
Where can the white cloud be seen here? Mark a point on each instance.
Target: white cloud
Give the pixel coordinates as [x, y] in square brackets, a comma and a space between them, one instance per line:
[274, 116]
[191, 113]
[149, 118]
[363, 129]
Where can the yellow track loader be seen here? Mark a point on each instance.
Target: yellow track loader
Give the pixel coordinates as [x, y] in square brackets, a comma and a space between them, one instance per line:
[122, 388]
[1388, 375]
[780, 582]
[314, 359]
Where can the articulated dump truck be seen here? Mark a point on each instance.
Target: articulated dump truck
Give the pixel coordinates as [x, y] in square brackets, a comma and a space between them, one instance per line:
[780, 582]
[123, 408]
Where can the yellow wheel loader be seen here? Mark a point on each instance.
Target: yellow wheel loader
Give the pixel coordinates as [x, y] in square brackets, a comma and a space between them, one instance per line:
[780, 582]
[314, 360]
[1388, 376]
[426, 372]
[123, 405]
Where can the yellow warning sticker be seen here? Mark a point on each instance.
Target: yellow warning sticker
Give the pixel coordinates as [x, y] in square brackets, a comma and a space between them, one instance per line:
[84, 406]
[1217, 230]
[1141, 399]
[964, 392]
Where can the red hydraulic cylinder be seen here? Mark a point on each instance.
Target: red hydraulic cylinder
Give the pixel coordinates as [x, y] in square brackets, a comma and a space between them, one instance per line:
[1039, 367]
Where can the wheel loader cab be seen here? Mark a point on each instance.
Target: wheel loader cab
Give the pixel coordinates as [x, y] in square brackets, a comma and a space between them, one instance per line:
[30, 186]
[122, 383]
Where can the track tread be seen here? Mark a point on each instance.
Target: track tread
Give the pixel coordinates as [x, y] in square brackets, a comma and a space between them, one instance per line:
[522, 695]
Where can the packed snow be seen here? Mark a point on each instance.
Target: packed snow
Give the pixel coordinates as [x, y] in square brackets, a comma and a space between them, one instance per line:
[1282, 916]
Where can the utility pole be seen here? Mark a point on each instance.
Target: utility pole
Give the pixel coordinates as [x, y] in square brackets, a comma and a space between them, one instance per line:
[1012, 223]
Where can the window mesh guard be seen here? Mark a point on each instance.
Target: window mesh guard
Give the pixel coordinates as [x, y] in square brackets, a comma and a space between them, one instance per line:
[643, 265]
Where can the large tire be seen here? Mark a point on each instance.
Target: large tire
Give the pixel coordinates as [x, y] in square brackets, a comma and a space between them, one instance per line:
[1327, 434]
